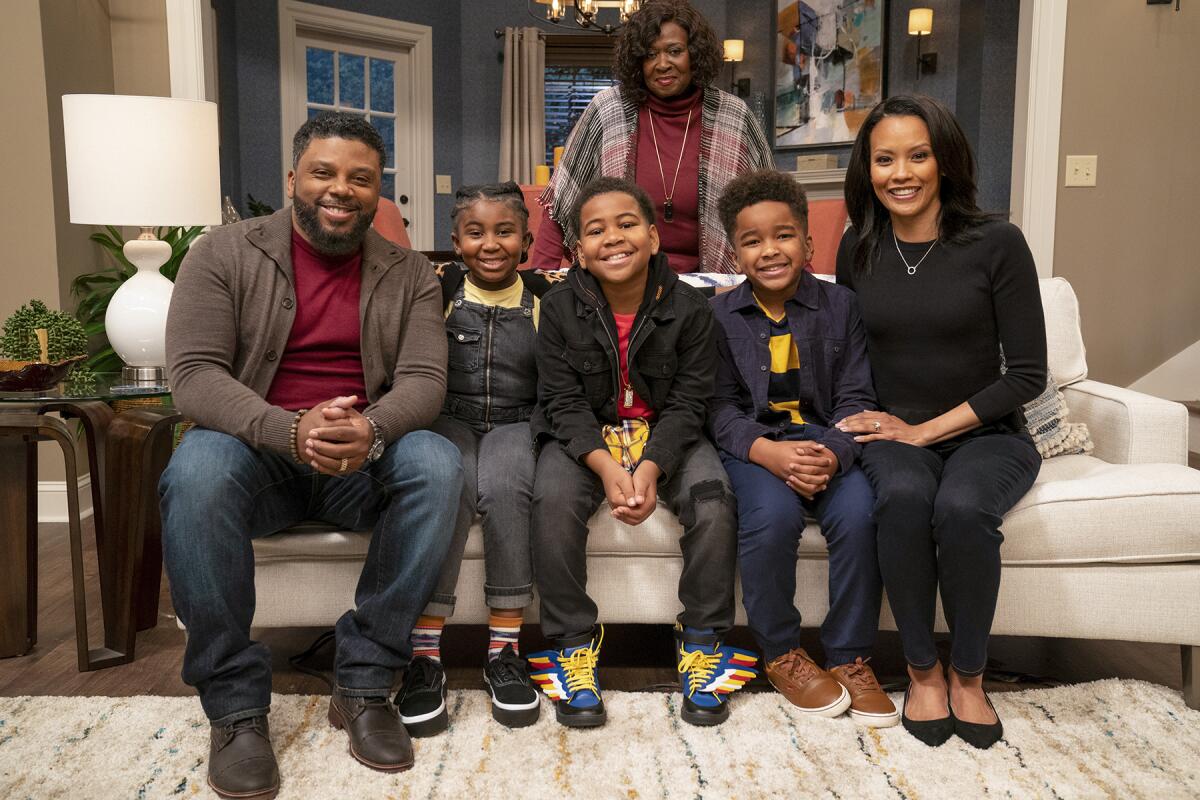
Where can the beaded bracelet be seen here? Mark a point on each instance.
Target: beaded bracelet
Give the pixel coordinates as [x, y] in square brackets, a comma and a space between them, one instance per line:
[292, 438]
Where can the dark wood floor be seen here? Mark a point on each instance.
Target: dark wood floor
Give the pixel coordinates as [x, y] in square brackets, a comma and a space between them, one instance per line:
[636, 657]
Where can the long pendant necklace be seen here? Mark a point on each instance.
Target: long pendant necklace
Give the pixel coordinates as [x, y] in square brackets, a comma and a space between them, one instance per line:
[668, 205]
[912, 268]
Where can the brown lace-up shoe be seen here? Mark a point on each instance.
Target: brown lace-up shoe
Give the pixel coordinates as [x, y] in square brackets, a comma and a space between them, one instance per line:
[869, 704]
[807, 686]
[241, 763]
[377, 737]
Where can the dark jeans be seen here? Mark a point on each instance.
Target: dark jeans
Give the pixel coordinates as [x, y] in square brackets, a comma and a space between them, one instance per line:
[218, 493]
[771, 519]
[939, 510]
[566, 494]
[498, 482]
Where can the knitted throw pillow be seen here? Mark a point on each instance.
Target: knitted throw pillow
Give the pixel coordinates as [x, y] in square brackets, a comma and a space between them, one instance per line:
[1046, 418]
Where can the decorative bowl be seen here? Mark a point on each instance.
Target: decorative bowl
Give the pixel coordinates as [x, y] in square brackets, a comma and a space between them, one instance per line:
[33, 376]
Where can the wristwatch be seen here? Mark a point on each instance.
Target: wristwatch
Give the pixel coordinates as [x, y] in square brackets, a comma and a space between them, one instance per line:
[376, 450]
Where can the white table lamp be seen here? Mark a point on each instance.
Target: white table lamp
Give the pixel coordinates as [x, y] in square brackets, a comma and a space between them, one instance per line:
[145, 162]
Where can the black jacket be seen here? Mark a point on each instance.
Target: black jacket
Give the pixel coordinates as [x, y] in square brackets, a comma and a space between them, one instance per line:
[672, 364]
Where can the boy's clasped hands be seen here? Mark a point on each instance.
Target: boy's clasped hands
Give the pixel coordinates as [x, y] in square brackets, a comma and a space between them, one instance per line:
[805, 466]
[632, 497]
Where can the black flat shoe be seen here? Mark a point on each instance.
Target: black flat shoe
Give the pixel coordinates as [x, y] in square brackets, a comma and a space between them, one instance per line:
[933, 732]
[977, 734]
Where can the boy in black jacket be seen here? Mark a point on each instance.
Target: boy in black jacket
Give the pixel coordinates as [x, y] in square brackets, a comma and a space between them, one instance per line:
[626, 364]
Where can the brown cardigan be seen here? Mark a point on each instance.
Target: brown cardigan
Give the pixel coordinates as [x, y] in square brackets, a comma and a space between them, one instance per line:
[233, 308]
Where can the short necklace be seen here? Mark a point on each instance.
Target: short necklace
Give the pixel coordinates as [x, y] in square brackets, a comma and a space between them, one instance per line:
[912, 268]
[668, 205]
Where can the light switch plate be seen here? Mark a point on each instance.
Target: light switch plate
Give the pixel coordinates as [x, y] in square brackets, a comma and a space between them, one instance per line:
[1081, 171]
[443, 184]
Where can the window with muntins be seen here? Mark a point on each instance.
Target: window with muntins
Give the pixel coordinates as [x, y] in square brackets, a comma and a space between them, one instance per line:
[342, 80]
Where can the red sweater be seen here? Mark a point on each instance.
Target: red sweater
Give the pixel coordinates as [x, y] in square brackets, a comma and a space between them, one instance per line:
[680, 238]
[323, 357]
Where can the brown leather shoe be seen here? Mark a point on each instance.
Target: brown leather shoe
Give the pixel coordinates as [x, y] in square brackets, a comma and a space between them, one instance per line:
[241, 763]
[869, 704]
[807, 686]
[377, 737]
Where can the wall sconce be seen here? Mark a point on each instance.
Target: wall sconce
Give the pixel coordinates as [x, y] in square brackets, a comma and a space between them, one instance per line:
[920, 23]
[733, 51]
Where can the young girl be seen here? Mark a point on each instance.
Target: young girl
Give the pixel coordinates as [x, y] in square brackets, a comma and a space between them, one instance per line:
[491, 387]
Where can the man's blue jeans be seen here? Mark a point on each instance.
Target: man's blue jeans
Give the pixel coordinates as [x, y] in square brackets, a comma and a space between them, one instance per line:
[218, 493]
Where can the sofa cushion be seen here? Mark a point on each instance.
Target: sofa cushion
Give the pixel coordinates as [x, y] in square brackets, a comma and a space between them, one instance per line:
[1064, 339]
[1081, 510]
[1084, 510]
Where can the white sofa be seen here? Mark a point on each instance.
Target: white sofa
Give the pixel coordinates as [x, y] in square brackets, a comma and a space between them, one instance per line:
[1105, 546]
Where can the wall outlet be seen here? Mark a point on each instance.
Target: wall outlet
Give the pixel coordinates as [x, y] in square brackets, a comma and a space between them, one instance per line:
[443, 184]
[1081, 171]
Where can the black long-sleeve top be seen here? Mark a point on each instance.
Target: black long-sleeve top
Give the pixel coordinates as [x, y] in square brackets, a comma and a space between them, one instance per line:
[934, 337]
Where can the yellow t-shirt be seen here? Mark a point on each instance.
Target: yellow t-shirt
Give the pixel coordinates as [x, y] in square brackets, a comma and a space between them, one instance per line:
[502, 298]
[783, 391]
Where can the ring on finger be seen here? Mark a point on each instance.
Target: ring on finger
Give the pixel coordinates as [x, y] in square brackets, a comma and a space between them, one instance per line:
[876, 426]
[343, 465]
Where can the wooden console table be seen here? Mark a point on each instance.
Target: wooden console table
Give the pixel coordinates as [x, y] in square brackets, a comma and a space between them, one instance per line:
[125, 452]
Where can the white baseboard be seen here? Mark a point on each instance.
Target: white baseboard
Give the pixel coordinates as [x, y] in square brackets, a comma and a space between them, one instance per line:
[52, 500]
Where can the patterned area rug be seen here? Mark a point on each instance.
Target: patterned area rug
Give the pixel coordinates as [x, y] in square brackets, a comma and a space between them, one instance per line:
[1105, 739]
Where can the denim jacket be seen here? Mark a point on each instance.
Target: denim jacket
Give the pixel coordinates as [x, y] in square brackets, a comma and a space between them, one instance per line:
[834, 373]
[672, 364]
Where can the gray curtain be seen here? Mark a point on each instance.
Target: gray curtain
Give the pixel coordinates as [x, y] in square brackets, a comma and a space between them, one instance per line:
[522, 105]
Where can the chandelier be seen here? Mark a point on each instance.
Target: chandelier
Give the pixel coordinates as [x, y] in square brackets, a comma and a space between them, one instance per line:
[587, 13]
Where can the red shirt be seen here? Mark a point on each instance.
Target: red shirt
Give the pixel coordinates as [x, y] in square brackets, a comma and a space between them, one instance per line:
[639, 408]
[679, 238]
[323, 357]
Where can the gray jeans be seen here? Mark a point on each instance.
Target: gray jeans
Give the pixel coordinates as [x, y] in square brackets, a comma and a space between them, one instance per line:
[568, 493]
[498, 484]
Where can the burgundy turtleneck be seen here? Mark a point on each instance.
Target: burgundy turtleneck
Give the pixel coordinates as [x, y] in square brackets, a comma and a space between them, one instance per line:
[680, 238]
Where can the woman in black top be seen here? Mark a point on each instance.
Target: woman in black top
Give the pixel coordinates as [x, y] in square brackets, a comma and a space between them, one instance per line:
[949, 297]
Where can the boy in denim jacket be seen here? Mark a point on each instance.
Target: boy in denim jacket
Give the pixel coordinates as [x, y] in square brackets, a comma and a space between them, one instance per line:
[792, 362]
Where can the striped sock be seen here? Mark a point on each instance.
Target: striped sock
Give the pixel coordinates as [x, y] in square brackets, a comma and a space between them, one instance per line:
[502, 631]
[427, 637]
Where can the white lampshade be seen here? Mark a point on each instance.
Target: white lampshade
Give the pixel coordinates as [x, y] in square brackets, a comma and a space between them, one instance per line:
[145, 161]
[920, 21]
[735, 49]
[150, 162]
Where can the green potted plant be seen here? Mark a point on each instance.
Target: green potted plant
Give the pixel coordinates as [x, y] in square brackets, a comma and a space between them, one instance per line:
[93, 290]
[40, 347]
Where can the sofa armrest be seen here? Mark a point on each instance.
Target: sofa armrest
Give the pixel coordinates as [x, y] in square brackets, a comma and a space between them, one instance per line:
[1129, 427]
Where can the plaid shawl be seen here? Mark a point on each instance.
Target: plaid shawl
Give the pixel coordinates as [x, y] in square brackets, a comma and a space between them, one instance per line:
[604, 143]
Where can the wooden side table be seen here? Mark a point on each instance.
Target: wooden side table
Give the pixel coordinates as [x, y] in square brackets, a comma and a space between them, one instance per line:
[125, 456]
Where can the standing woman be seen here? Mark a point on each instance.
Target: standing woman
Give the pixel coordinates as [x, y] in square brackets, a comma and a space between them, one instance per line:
[948, 295]
[666, 128]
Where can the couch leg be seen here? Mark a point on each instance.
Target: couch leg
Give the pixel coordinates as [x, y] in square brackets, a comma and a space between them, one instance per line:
[1190, 656]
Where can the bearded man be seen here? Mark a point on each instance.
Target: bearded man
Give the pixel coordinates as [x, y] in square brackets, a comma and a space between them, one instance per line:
[311, 354]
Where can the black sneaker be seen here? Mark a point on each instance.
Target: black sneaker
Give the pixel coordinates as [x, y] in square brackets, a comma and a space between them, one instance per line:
[422, 699]
[515, 702]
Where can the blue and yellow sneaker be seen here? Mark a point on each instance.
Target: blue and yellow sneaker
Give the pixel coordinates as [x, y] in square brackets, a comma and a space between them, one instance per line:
[708, 672]
[568, 677]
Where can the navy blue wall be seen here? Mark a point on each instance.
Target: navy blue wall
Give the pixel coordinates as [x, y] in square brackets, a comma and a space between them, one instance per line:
[467, 76]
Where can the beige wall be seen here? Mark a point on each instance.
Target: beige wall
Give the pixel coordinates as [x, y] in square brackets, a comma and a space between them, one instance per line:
[78, 60]
[140, 63]
[1129, 246]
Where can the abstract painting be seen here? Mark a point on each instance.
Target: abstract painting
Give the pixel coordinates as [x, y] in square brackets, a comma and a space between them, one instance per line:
[829, 68]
